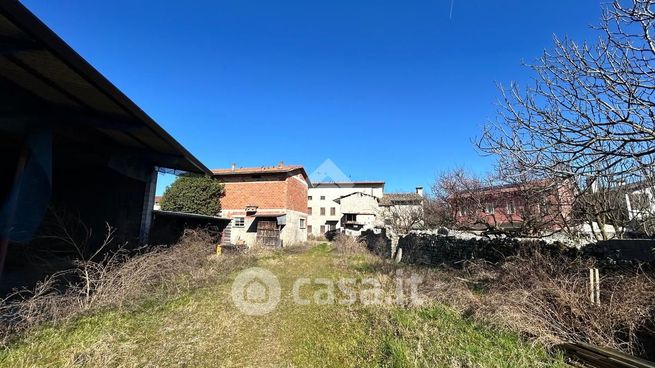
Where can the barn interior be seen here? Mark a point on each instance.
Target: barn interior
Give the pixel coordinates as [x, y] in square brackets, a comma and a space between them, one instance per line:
[76, 154]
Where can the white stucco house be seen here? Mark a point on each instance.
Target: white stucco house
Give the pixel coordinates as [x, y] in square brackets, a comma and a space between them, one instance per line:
[325, 214]
[360, 212]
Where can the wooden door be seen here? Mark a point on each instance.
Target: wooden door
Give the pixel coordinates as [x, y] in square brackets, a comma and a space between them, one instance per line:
[268, 233]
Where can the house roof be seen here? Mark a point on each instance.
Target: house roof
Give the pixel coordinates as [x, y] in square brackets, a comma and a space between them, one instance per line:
[338, 200]
[50, 84]
[257, 170]
[346, 183]
[190, 215]
[512, 187]
[263, 170]
[390, 199]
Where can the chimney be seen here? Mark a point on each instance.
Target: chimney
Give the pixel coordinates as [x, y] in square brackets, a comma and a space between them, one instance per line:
[419, 191]
[234, 166]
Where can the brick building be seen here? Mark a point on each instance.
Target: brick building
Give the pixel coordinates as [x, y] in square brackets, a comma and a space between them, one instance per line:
[267, 205]
[528, 207]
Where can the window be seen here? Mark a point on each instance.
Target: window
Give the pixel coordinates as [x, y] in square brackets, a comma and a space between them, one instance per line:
[322, 211]
[462, 211]
[333, 211]
[302, 223]
[309, 198]
[322, 229]
[489, 208]
[239, 222]
[351, 217]
[309, 229]
[322, 198]
[331, 227]
[309, 210]
[510, 208]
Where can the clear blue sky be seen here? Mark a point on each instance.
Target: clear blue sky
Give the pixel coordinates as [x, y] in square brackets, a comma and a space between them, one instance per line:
[388, 90]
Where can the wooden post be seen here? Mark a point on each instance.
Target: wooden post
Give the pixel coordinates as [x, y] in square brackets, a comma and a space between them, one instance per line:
[591, 286]
[597, 286]
[594, 286]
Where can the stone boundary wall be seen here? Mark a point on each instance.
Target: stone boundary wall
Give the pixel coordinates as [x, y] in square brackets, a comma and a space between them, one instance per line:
[437, 249]
[378, 243]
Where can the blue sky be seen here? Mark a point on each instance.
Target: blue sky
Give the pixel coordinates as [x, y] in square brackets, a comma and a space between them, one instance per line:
[388, 90]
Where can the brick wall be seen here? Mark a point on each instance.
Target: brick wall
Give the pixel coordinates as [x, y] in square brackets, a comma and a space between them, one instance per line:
[264, 194]
[297, 193]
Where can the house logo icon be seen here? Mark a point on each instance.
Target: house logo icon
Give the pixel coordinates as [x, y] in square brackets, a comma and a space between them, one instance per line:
[328, 172]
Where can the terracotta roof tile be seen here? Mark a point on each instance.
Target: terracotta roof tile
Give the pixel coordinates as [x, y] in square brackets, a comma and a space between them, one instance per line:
[395, 198]
[257, 170]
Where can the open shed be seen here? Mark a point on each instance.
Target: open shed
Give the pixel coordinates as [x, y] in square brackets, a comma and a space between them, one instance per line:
[71, 142]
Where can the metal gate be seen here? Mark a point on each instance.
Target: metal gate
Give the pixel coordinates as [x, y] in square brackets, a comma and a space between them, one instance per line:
[267, 233]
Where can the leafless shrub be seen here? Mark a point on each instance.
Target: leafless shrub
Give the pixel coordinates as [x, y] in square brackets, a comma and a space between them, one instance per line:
[546, 298]
[348, 245]
[118, 279]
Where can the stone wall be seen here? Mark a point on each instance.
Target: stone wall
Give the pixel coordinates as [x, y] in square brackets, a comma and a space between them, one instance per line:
[436, 249]
[377, 242]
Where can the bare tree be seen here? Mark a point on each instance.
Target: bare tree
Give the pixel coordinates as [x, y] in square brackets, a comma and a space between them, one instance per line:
[589, 116]
[457, 199]
[404, 217]
[517, 205]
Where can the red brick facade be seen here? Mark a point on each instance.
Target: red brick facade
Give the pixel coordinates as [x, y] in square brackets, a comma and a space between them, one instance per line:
[266, 190]
[297, 193]
[263, 194]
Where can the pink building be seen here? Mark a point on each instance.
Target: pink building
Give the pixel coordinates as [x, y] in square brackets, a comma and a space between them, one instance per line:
[529, 207]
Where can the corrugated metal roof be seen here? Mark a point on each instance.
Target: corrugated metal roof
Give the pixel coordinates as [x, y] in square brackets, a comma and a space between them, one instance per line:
[68, 90]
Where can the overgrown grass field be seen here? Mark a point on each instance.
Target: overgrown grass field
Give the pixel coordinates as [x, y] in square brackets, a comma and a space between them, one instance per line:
[202, 328]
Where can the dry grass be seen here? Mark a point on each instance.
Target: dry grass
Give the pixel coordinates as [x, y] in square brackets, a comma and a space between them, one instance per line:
[546, 298]
[201, 327]
[344, 244]
[118, 280]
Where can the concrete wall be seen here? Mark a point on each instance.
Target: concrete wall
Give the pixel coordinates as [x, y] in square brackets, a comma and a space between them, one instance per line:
[359, 203]
[291, 232]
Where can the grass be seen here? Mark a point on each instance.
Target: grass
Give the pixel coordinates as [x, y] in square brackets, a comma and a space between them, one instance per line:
[203, 328]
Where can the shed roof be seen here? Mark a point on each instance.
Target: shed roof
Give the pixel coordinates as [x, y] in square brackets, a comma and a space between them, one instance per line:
[390, 199]
[53, 85]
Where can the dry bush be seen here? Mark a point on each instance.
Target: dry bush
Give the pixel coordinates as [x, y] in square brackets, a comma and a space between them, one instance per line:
[546, 298]
[348, 245]
[118, 279]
